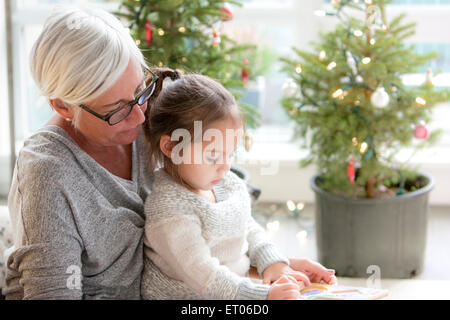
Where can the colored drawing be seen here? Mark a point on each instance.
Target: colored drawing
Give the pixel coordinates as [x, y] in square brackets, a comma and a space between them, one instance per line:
[319, 291]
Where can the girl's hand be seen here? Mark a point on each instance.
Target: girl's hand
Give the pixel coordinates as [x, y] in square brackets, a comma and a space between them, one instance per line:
[278, 269]
[285, 288]
[314, 270]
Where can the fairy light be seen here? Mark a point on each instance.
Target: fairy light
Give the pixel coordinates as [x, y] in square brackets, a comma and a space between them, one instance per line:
[366, 60]
[300, 206]
[331, 65]
[160, 32]
[291, 205]
[182, 29]
[184, 59]
[364, 147]
[160, 64]
[298, 68]
[273, 226]
[372, 41]
[384, 27]
[138, 42]
[358, 33]
[368, 1]
[355, 141]
[302, 235]
[320, 13]
[322, 55]
[337, 93]
[420, 101]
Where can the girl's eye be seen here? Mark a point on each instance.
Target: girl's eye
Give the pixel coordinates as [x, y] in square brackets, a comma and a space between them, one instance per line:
[212, 160]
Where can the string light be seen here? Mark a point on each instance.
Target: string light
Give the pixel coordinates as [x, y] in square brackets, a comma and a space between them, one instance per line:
[364, 147]
[355, 141]
[372, 41]
[358, 33]
[300, 206]
[302, 235]
[420, 101]
[184, 59]
[160, 32]
[368, 1]
[138, 42]
[273, 226]
[337, 93]
[331, 65]
[298, 68]
[366, 60]
[322, 55]
[320, 13]
[291, 205]
[182, 29]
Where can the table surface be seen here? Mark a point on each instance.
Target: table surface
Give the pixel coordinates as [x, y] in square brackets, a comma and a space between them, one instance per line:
[406, 289]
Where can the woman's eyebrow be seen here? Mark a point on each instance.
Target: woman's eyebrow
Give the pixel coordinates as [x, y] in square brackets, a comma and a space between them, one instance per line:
[123, 100]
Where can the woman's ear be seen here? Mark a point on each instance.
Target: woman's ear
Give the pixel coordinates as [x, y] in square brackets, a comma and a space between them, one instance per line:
[166, 145]
[62, 108]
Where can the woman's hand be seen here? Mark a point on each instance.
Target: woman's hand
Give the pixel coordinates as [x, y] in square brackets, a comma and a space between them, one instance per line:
[313, 270]
[276, 270]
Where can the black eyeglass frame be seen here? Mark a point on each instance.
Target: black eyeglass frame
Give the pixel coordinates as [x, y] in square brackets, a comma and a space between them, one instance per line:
[151, 87]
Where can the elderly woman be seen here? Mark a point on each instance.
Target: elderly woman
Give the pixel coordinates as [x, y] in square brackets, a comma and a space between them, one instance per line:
[80, 182]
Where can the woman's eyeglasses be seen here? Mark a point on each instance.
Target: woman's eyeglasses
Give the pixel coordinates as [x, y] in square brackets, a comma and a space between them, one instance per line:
[117, 115]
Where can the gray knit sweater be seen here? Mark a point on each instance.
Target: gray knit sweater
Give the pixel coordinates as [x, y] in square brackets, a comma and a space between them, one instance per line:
[196, 249]
[78, 229]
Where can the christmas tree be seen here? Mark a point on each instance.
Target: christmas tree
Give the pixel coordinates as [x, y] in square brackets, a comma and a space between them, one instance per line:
[186, 35]
[348, 98]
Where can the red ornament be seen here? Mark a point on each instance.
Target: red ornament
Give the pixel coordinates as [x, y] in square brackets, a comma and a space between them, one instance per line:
[421, 132]
[351, 170]
[244, 75]
[148, 33]
[226, 9]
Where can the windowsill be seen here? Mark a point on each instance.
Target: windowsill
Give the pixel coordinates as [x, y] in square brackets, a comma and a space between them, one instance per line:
[273, 165]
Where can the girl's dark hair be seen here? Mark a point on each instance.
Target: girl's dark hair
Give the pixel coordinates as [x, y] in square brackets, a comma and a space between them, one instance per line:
[188, 98]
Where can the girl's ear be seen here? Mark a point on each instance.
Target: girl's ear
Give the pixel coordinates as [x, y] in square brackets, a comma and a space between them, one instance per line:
[166, 145]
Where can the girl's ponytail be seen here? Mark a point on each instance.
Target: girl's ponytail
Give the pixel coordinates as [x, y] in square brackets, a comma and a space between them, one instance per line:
[162, 73]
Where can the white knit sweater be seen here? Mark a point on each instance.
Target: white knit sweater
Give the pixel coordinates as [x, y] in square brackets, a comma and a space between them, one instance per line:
[196, 249]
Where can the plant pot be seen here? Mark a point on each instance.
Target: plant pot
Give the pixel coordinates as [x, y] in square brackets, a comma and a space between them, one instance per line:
[391, 233]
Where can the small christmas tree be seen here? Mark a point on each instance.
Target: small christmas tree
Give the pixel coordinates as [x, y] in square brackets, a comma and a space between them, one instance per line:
[185, 35]
[349, 99]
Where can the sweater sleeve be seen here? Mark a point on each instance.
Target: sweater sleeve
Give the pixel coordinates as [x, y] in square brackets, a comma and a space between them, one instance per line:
[179, 242]
[261, 251]
[47, 261]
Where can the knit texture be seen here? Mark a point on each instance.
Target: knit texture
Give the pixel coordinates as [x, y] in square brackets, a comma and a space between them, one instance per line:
[78, 229]
[196, 249]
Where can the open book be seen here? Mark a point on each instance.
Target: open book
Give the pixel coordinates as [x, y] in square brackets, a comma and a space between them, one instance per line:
[319, 291]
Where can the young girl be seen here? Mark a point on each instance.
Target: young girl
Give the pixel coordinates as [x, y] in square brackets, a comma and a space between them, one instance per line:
[200, 238]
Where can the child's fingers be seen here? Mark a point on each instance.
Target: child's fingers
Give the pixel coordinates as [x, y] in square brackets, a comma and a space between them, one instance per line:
[299, 276]
[291, 295]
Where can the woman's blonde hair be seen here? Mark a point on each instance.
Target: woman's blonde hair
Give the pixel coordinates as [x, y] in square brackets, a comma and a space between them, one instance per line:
[80, 53]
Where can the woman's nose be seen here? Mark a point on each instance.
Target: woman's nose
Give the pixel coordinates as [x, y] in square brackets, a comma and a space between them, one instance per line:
[138, 113]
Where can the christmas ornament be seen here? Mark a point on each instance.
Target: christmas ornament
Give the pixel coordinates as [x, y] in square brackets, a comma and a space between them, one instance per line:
[216, 39]
[380, 98]
[290, 89]
[351, 62]
[351, 170]
[421, 131]
[148, 33]
[244, 74]
[359, 79]
[227, 9]
[429, 76]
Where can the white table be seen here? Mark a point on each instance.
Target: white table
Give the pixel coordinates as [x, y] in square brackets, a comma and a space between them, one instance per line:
[406, 289]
